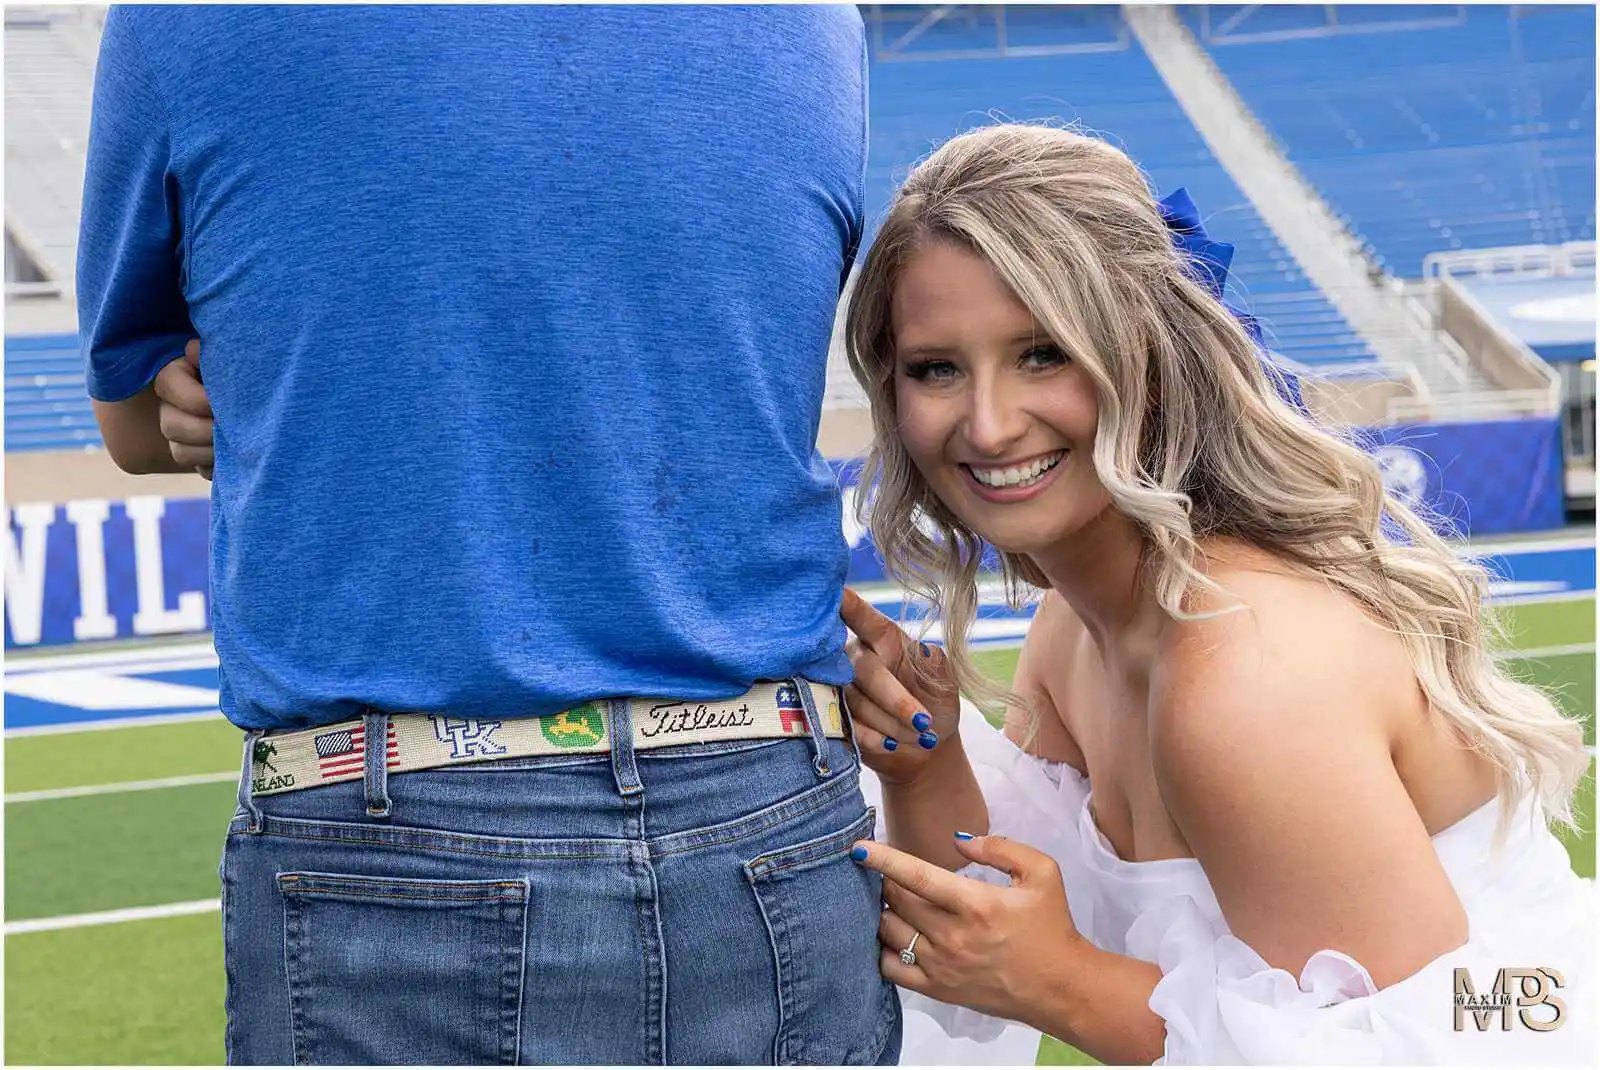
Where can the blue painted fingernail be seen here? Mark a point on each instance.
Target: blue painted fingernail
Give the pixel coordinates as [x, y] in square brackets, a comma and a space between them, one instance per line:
[927, 651]
[928, 740]
[963, 835]
[859, 854]
[921, 722]
[890, 743]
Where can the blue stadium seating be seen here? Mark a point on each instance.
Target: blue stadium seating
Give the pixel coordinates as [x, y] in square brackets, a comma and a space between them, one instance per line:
[47, 407]
[918, 103]
[1473, 134]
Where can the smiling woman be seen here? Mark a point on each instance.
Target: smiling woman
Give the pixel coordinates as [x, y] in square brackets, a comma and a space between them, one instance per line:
[1263, 789]
[998, 419]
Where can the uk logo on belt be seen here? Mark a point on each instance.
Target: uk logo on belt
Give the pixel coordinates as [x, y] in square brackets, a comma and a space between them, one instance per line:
[468, 736]
[791, 712]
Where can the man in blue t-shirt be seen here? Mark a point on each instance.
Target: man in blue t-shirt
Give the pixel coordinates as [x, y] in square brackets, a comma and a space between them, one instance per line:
[514, 325]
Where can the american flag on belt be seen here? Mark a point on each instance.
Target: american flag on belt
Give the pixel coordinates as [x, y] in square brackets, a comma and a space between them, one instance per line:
[344, 751]
[791, 714]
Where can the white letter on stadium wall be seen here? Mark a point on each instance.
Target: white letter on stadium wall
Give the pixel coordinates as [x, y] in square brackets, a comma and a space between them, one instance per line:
[854, 530]
[153, 617]
[94, 619]
[25, 570]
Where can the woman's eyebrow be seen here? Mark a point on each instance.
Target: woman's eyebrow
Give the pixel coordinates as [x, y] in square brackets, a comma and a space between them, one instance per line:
[906, 352]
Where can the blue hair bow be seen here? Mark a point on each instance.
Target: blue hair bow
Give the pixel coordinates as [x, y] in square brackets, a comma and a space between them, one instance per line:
[1209, 261]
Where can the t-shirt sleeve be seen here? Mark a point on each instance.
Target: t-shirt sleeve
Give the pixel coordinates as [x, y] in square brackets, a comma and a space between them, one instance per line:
[132, 315]
[857, 224]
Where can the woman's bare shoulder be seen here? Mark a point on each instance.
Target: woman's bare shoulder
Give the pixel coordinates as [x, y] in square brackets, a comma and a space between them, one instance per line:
[1272, 625]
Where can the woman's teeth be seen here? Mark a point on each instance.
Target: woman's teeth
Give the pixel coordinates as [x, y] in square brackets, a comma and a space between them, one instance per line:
[1020, 476]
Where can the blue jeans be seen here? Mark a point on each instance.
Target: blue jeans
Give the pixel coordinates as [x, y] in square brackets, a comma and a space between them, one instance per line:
[686, 905]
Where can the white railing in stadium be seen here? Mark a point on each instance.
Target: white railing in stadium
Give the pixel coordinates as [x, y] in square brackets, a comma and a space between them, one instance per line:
[896, 30]
[1569, 260]
[1575, 258]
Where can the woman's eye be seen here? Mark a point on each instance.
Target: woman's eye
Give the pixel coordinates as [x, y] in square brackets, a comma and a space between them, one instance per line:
[936, 370]
[1044, 357]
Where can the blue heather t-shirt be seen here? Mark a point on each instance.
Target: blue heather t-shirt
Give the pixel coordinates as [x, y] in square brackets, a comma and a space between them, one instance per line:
[514, 324]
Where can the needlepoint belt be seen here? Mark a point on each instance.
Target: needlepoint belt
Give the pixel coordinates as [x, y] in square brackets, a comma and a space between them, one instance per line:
[417, 741]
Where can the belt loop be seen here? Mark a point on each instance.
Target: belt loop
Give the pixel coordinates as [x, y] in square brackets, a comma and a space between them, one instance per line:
[624, 768]
[848, 723]
[819, 731]
[375, 769]
[247, 802]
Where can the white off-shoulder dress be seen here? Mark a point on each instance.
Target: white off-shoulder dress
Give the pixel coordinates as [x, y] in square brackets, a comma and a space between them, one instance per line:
[1223, 1004]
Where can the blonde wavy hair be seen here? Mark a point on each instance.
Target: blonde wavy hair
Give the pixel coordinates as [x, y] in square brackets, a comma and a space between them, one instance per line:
[1194, 440]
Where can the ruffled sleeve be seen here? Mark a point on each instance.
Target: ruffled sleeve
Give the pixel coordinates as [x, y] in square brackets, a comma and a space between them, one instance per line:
[1222, 1003]
[1032, 801]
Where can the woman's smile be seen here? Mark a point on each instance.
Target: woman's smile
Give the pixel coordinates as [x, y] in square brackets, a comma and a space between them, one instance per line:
[1016, 482]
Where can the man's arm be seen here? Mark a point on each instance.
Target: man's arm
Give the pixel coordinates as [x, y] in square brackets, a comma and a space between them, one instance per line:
[132, 432]
[132, 316]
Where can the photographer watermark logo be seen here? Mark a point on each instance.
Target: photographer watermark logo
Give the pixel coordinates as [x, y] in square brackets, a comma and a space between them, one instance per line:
[1519, 989]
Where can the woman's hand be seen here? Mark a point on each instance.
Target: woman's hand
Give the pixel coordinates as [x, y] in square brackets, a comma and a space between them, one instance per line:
[185, 411]
[900, 715]
[1009, 952]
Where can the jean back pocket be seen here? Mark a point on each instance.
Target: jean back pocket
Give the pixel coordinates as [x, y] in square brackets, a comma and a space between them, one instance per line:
[386, 970]
[821, 911]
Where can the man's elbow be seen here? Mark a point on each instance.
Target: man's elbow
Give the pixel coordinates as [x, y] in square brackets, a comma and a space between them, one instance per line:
[137, 458]
[131, 431]
[139, 462]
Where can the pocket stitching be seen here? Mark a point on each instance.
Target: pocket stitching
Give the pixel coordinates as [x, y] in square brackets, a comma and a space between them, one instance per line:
[499, 899]
[513, 975]
[311, 883]
[813, 852]
[351, 893]
[796, 859]
[292, 946]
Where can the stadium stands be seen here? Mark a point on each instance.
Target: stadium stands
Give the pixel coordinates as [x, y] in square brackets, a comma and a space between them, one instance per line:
[47, 407]
[1080, 65]
[1429, 129]
[49, 81]
[49, 78]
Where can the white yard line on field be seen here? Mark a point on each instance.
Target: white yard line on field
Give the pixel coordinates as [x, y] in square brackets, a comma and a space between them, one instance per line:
[1530, 546]
[127, 785]
[111, 917]
[187, 655]
[106, 724]
[1538, 599]
[1544, 652]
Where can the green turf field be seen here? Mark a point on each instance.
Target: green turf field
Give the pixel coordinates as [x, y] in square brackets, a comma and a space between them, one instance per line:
[149, 991]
